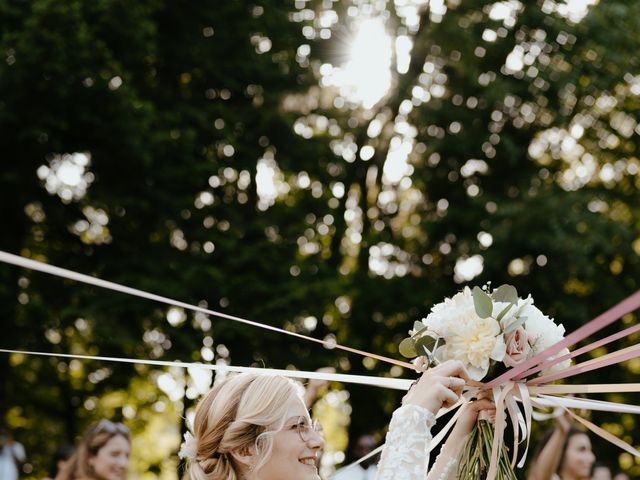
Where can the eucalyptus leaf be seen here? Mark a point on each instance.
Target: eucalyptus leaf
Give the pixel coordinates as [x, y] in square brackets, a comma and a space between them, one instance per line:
[515, 325]
[504, 311]
[482, 303]
[420, 332]
[427, 342]
[505, 293]
[407, 348]
[417, 326]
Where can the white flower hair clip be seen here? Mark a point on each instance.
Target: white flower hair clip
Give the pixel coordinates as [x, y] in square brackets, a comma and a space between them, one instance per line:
[188, 448]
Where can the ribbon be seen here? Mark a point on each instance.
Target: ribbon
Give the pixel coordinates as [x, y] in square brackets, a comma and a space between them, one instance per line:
[432, 445]
[594, 364]
[504, 387]
[528, 410]
[599, 431]
[591, 388]
[500, 394]
[592, 346]
[604, 434]
[79, 277]
[393, 383]
[627, 305]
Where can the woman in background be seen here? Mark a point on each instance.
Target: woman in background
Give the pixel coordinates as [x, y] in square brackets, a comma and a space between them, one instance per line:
[103, 454]
[563, 454]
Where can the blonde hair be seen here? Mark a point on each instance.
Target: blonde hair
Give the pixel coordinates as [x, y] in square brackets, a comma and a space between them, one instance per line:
[239, 413]
[94, 438]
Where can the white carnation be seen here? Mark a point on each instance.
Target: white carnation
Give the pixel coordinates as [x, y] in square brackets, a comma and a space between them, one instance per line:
[470, 339]
[541, 330]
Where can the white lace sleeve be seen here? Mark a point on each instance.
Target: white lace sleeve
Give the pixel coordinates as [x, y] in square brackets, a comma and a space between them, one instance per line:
[406, 452]
[444, 468]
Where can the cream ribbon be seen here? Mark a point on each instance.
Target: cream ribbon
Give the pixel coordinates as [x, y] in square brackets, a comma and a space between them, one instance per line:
[393, 383]
[508, 395]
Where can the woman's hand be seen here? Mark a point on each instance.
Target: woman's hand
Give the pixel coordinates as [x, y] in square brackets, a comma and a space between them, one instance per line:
[438, 387]
[470, 413]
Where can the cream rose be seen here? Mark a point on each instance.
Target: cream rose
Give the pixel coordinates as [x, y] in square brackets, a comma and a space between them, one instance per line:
[517, 347]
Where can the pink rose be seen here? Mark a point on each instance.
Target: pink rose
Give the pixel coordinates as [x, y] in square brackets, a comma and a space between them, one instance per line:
[518, 348]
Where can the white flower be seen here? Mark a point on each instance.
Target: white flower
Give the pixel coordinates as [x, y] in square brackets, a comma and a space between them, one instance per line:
[470, 339]
[542, 333]
[541, 330]
[188, 448]
[558, 367]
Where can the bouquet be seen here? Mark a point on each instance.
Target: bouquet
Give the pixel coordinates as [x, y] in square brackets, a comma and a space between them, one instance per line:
[488, 331]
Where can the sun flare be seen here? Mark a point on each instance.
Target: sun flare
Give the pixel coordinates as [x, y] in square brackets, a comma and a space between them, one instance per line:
[366, 77]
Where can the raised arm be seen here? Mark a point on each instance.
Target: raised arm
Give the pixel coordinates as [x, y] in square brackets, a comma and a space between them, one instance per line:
[546, 463]
[445, 466]
[406, 452]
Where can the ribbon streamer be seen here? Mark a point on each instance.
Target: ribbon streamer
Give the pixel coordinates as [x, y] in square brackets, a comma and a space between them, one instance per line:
[508, 388]
[627, 305]
[592, 346]
[79, 277]
[393, 383]
[594, 364]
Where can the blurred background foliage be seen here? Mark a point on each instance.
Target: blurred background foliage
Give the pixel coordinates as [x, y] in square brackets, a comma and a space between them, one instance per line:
[333, 168]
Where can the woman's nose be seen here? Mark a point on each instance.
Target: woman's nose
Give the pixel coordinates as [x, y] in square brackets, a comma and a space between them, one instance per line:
[316, 440]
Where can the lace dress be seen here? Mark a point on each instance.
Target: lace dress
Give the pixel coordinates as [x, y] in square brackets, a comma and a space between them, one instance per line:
[406, 452]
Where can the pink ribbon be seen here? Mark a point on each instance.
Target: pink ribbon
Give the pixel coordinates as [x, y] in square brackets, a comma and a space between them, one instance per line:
[604, 361]
[592, 346]
[628, 305]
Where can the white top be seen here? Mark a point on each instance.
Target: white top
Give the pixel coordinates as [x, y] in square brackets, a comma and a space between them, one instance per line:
[8, 467]
[406, 452]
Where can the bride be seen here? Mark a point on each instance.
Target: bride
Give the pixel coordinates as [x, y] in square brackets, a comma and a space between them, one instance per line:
[254, 427]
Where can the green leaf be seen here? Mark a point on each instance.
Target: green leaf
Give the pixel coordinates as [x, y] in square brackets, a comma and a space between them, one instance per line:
[519, 321]
[417, 326]
[504, 311]
[426, 342]
[420, 332]
[482, 303]
[505, 293]
[407, 348]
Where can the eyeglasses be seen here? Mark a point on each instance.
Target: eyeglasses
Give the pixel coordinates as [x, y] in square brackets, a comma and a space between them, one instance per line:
[306, 430]
[108, 426]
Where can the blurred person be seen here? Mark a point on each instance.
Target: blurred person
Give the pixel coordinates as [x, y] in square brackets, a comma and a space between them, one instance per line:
[312, 390]
[599, 471]
[621, 476]
[12, 455]
[563, 454]
[59, 459]
[102, 454]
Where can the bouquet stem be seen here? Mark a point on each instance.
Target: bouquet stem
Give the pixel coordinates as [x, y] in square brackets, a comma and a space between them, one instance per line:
[475, 460]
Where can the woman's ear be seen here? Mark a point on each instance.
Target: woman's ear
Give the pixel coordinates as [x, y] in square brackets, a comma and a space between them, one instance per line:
[245, 457]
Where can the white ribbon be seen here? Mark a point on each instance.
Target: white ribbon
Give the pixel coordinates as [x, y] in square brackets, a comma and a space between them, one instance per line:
[393, 383]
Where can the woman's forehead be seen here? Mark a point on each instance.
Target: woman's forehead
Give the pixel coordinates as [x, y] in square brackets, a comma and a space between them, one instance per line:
[580, 439]
[296, 409]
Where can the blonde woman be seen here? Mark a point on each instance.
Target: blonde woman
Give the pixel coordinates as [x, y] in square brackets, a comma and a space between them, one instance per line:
[251, 427]
[102, 454]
